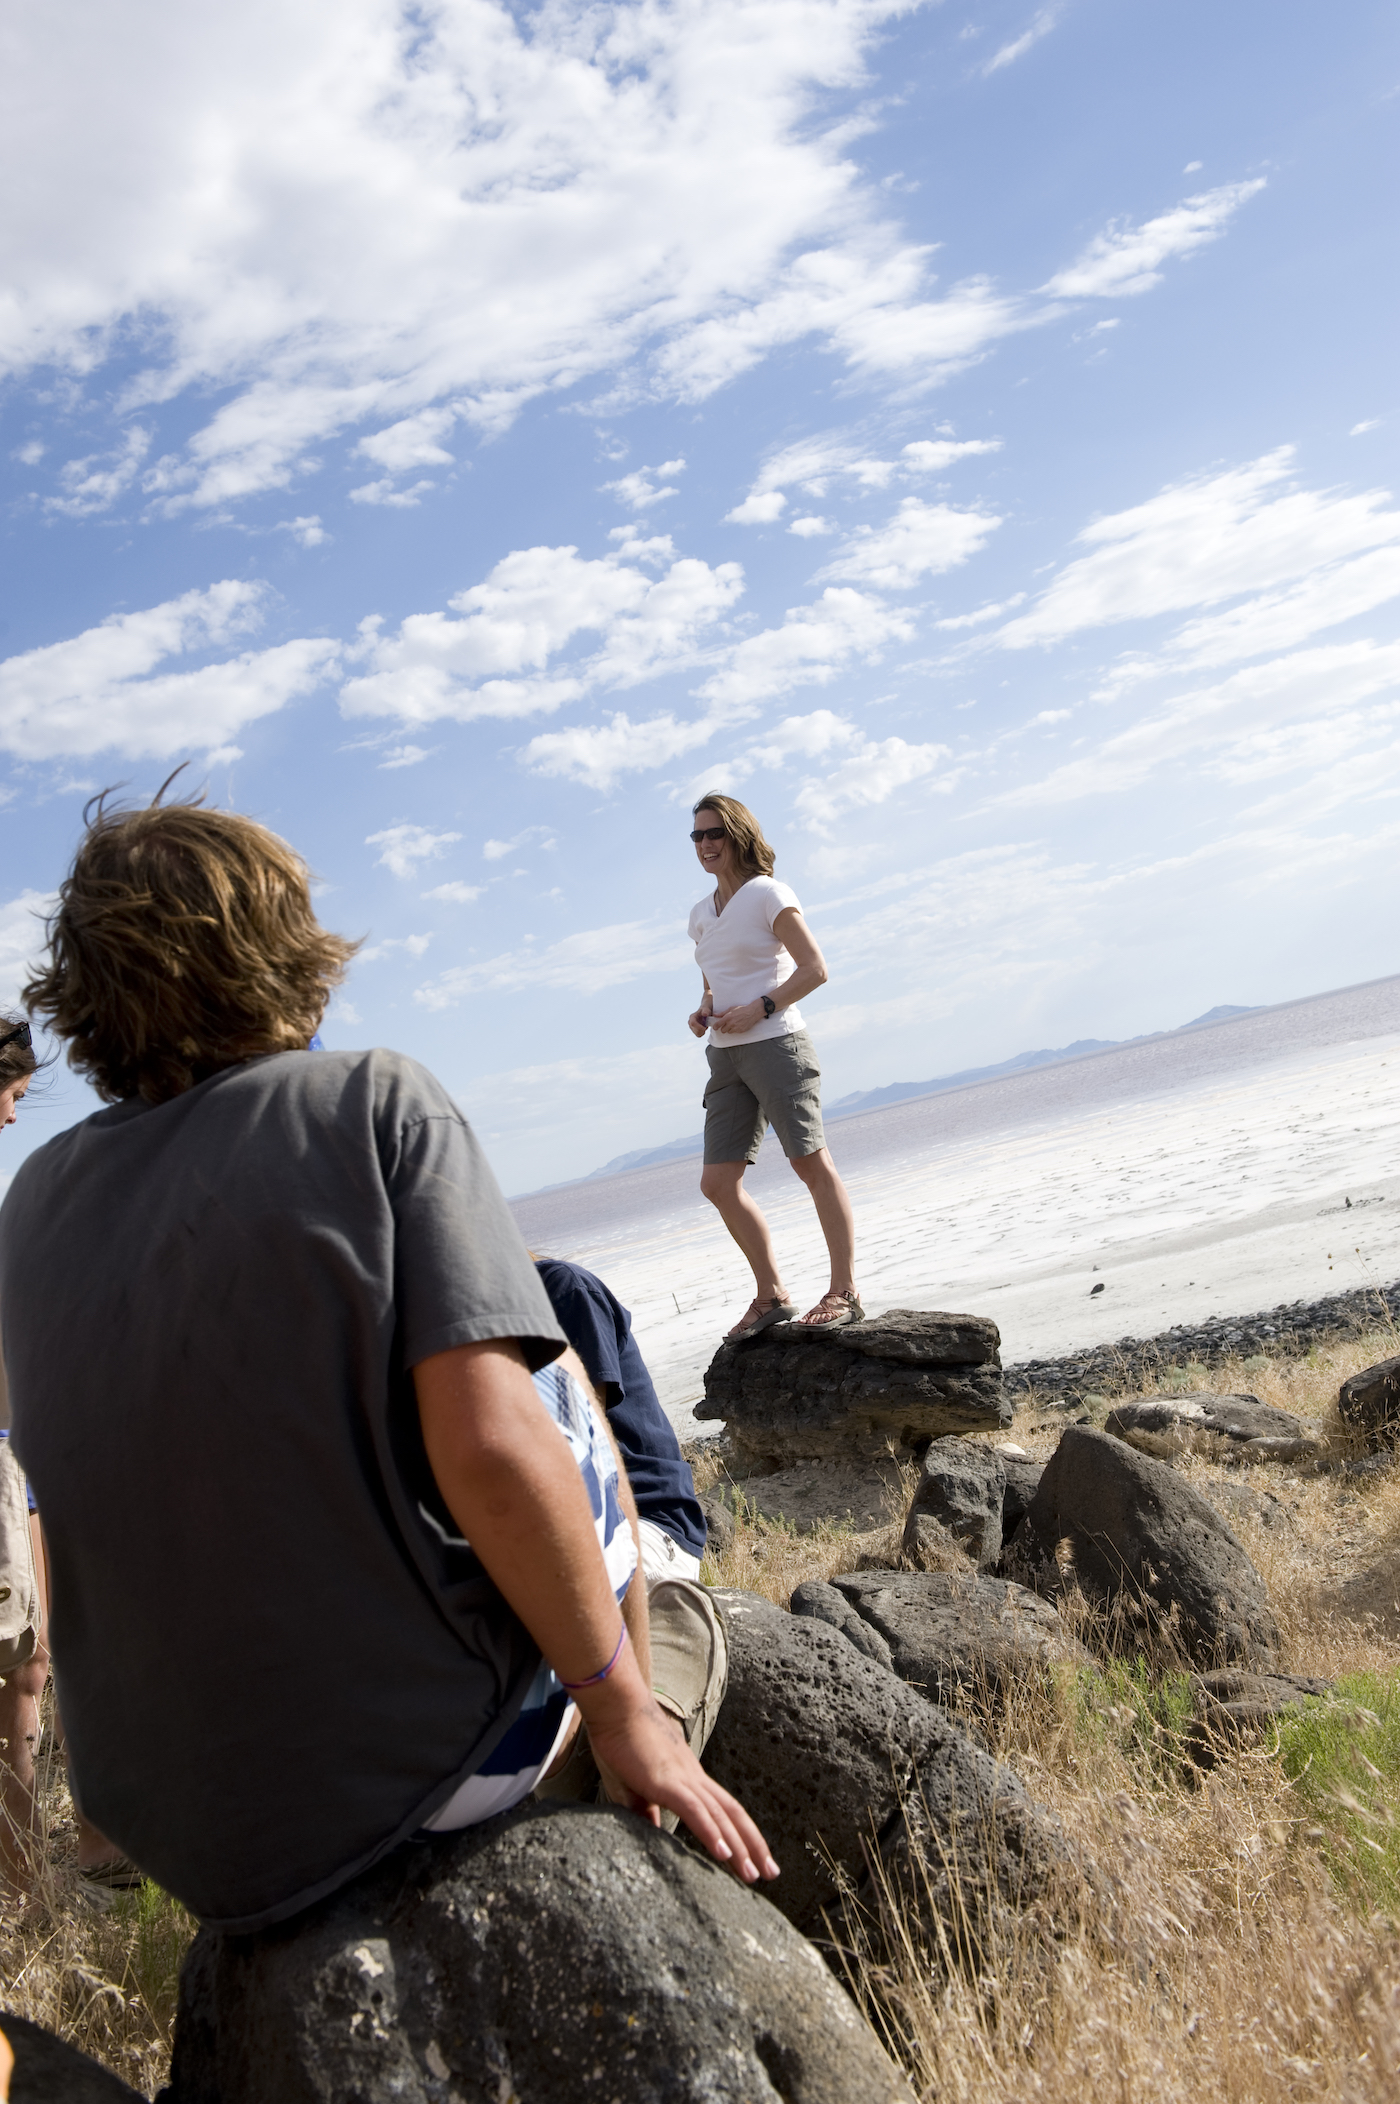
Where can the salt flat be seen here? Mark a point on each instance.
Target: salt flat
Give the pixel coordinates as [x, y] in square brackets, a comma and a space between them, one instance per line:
[1204, 1173]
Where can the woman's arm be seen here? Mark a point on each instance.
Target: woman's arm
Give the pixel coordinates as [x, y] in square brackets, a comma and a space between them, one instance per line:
[699, 1018]
[511, 1483]
[801, 945]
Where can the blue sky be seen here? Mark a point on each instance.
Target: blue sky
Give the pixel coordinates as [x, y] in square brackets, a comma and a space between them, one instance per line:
[466, 433]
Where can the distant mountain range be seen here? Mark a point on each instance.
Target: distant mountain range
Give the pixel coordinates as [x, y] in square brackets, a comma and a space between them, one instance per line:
[901, 1091]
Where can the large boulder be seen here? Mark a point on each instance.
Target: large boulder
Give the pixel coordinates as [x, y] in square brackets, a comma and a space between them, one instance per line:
[1228, 1427]
[840, 1762]
[47, 2071]
[1141, 1539]
[1232, 1706]
[560, 1952]
[1371, 1402]
[1022, 1482]
[957, 1504]
[903, 1378]
[954, 1635]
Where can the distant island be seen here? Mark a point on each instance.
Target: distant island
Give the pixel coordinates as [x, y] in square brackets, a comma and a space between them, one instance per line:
[902, 1091]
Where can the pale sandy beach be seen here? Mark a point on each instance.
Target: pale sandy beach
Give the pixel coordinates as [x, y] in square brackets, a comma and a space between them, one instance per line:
[1194, 1175]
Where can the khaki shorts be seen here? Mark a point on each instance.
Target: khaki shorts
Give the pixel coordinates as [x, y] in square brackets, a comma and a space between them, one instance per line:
[774, 1081]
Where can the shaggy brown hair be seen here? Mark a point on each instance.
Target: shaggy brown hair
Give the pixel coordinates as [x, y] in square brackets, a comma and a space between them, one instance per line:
[754, 856]
[184, 941]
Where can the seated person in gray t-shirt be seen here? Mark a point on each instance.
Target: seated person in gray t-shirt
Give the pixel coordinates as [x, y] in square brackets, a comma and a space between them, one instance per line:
[270, 1332]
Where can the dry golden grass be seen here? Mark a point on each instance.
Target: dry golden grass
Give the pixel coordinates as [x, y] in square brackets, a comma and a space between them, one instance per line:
[1239, 1970]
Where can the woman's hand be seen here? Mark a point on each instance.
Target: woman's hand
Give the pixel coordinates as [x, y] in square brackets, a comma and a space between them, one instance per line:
[734, 1021]
[698, 1021]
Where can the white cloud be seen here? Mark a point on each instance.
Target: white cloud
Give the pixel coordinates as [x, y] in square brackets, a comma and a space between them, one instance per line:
[386, 491]
[806, 527]
[587, 962]
[411, 945]
[805, 737]
[455, 894]
[932, 455]
[308, 531]
[812, 464]
[413, 442]
[637, 491]
[92, 484]
[407, 756]
[1200, 542]
[1368, 424]
[92, 693]
[533, 604]
[497, 850]
[1041, 26]
[869, 776]
[21, 940]
[1126, 259]
[405, 846]
[597, 753]
[30, 453]
[992, 612]
[920, 539]
[810, 646]
[759, 508]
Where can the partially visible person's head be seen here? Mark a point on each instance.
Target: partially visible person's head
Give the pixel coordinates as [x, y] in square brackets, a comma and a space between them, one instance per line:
[753, 857]
[184, 941]
[17, 1064]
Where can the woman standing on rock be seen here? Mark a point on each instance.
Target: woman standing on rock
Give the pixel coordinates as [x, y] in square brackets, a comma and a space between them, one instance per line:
[757, 959]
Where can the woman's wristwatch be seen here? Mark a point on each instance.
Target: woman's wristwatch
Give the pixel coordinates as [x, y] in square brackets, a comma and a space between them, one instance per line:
[770, 1006]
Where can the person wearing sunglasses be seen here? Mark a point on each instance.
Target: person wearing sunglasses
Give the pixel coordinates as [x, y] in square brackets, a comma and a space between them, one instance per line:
[285, 1380]
[757, 959]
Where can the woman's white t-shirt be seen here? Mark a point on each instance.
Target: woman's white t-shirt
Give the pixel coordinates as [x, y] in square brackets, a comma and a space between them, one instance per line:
[742, 958]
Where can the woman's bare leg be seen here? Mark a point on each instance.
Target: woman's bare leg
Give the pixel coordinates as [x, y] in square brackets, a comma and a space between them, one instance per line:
[723, 1184]
[818, 1172]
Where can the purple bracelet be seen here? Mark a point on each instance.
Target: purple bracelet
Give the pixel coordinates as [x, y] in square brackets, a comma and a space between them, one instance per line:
[595, 1680]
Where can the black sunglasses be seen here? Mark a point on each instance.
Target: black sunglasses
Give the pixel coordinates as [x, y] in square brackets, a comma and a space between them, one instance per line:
[20, 1035]
[709, 833]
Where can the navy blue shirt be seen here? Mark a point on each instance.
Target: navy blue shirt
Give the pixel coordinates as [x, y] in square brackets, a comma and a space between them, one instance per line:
[600, 1331]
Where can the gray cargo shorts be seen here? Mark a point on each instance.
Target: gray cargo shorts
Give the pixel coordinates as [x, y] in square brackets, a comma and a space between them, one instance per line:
[774, 1081]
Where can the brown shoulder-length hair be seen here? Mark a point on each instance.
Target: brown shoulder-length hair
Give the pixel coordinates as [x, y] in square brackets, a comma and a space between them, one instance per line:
[17, 1059]
[755, 856]
[184, 941]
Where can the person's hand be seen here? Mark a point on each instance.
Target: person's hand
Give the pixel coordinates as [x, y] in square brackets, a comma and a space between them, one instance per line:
[645, 1764]
[699, 1021]
[733, 1021]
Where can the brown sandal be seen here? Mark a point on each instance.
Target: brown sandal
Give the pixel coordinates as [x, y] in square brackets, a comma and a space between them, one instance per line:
[760, 1315]
[845, 1310]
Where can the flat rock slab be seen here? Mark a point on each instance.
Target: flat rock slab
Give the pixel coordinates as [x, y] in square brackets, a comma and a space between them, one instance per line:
[953, 1634]
[1371, 1402]
[560, 1952]
[794, 1394]
[813, 1492]
[47, 2071]
[1141, 1539]
[1237, 1427]
[833, 1755]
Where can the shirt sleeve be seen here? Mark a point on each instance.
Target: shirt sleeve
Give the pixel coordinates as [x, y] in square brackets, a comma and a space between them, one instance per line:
[462, 1274]
[780, 897]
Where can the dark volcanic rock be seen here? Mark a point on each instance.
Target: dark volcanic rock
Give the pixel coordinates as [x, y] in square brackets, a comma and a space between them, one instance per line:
[960, 1491]
[557, 1953]
[829, 1752]
[1237, 1427]
[1371, 1402]
[1022, 1482]
[719, 1522]
[1373, 1595]
[952, 1633]
[822, 1603]
[791, 1394]
[1143, 1539]
[1232, 1706]
[47, 2071]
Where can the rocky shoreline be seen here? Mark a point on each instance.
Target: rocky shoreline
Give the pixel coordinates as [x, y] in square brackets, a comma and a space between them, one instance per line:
[1289, 1331]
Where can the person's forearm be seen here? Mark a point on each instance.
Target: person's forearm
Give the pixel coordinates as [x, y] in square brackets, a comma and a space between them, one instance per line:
[509, 1480]
[798, 984]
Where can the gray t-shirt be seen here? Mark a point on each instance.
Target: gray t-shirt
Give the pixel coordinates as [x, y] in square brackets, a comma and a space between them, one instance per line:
[272, 1667]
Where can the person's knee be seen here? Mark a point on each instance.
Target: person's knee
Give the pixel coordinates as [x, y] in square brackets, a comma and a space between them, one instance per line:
[811, 1168]
[720, 1180]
